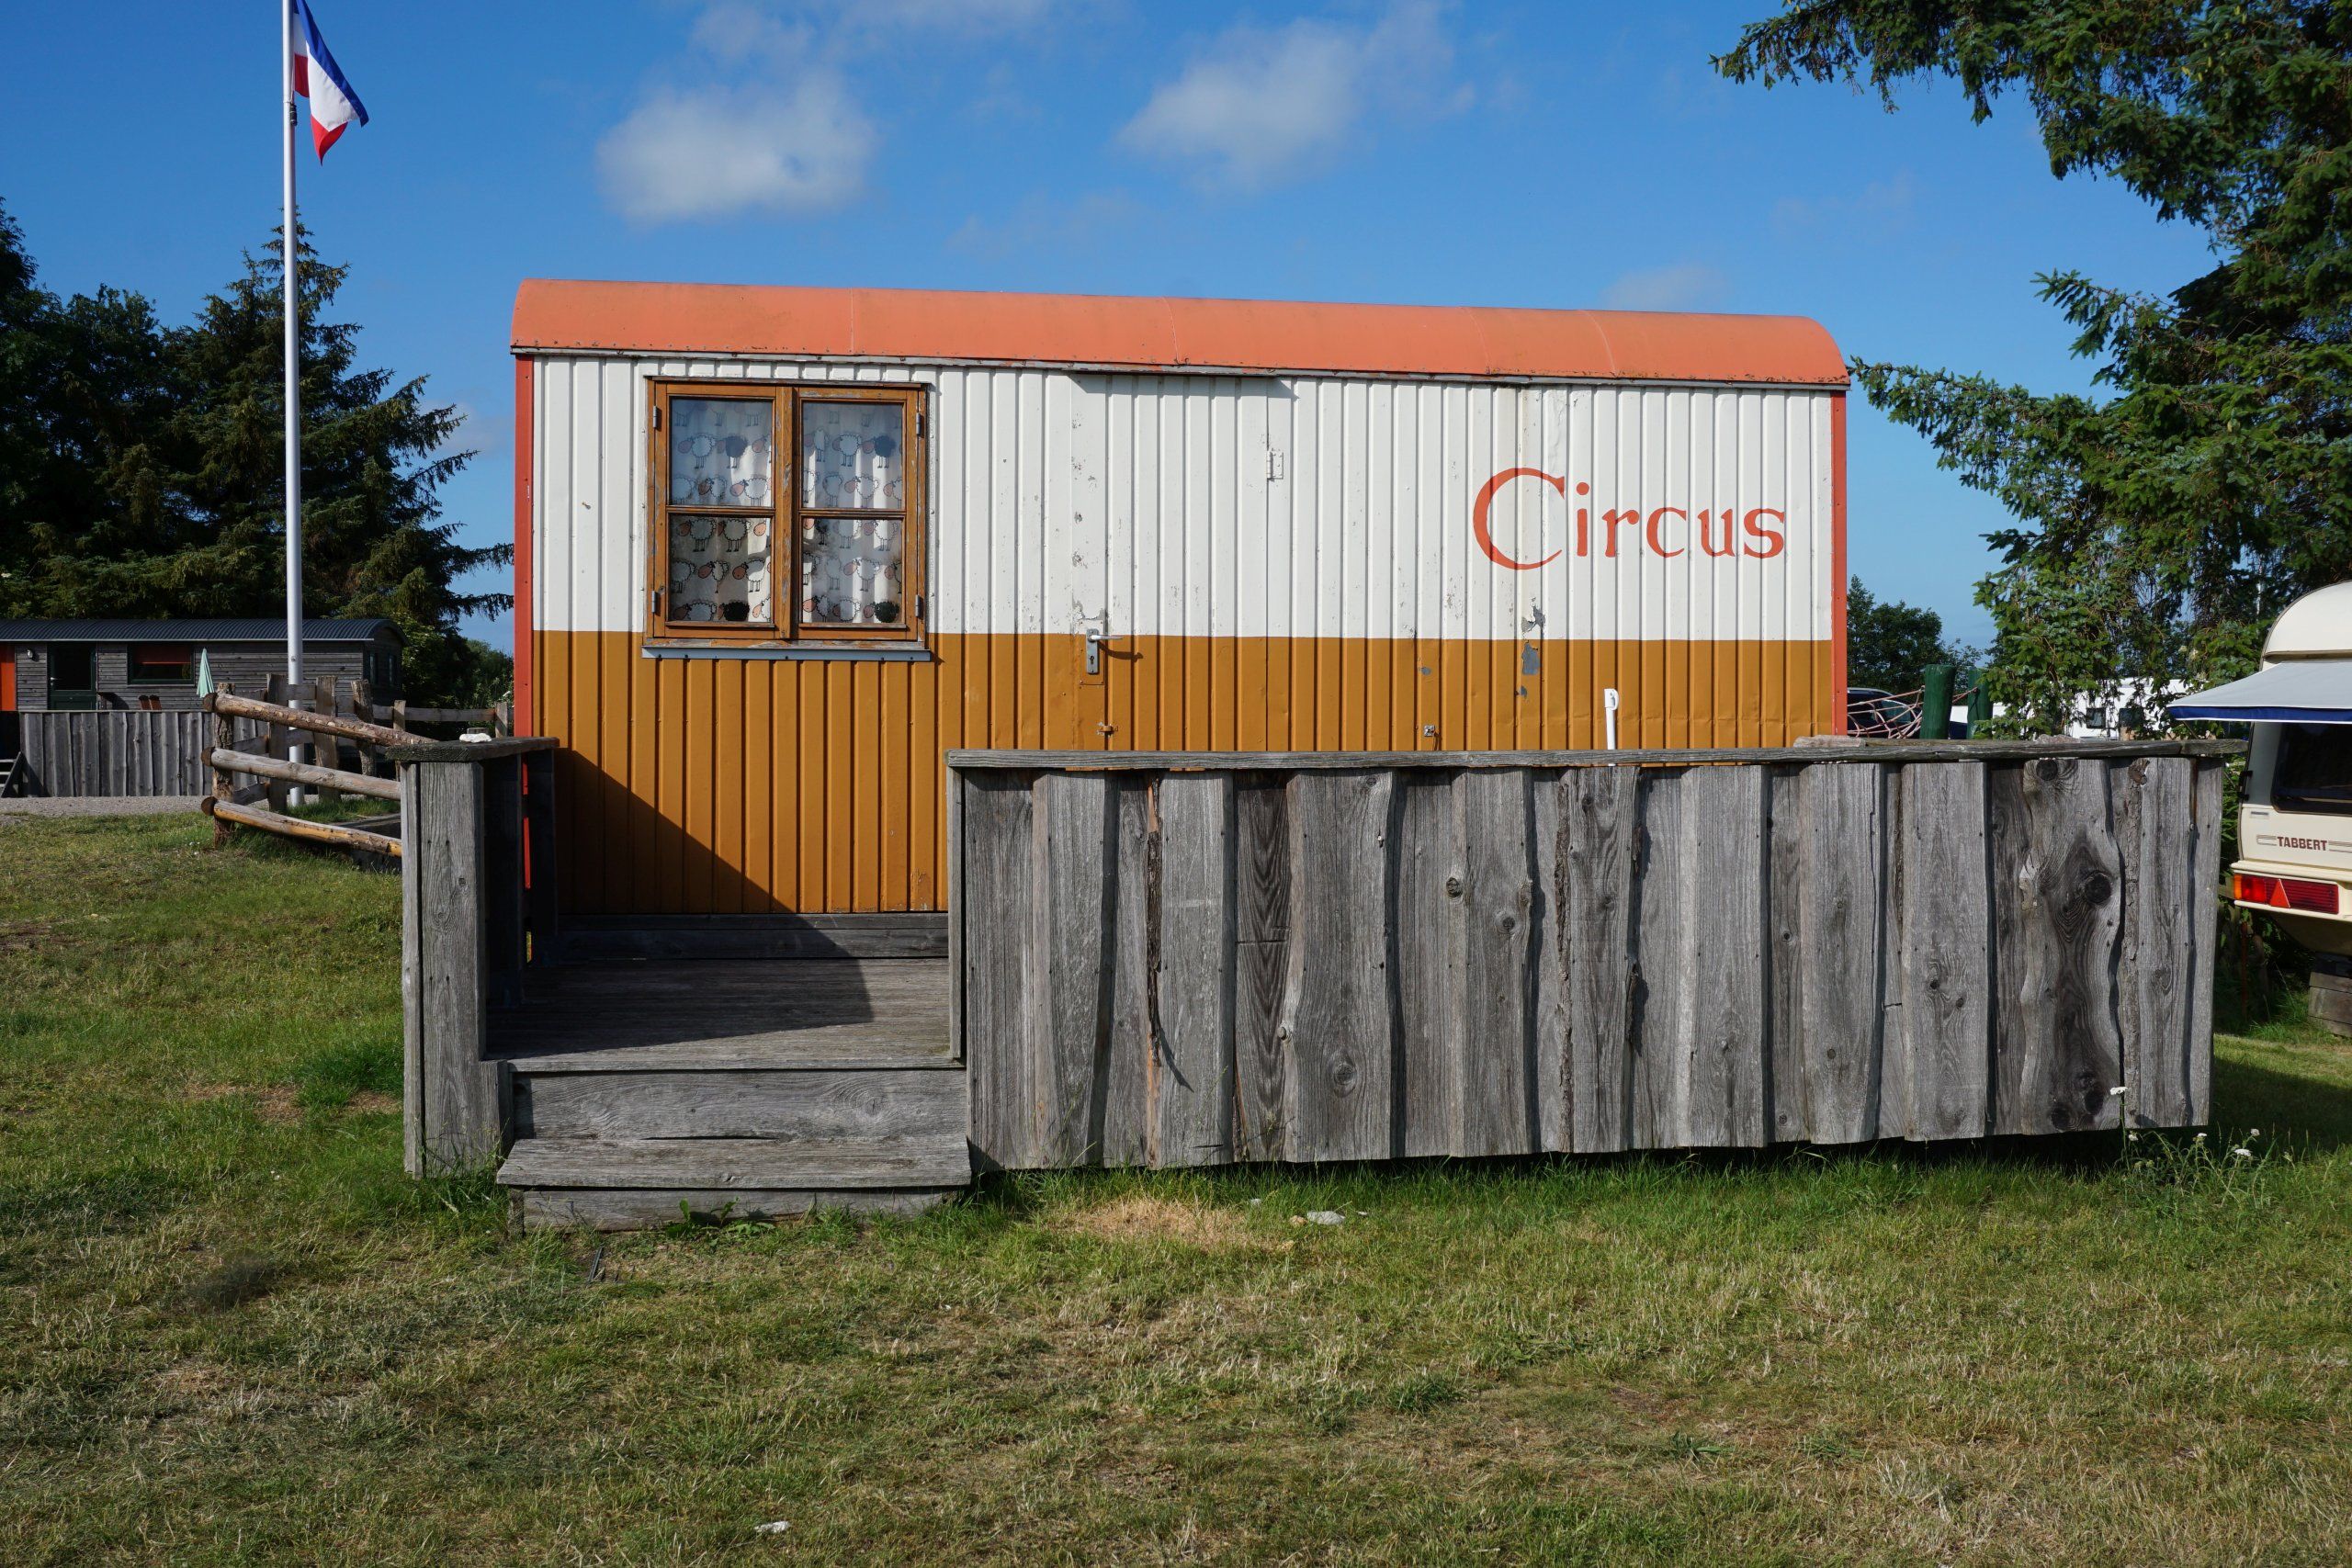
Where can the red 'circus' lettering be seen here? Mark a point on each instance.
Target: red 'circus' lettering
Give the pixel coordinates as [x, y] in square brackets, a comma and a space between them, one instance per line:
[1745, 534]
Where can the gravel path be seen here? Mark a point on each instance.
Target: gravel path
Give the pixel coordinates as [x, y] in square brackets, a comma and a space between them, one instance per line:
[97, 805]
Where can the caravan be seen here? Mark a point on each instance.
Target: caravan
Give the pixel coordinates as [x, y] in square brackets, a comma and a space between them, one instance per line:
[2295, 826]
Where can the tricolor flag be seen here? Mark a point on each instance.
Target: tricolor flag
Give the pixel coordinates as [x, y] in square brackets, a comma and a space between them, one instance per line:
[334, 106]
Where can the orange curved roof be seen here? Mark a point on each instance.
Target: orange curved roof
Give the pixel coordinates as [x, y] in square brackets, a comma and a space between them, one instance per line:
[554, 314]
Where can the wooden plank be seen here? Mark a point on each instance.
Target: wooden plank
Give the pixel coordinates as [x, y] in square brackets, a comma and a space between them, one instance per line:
[540, 903]
[954, 785]
[649, 1208]
[889, 1160]
[997, 895]
[2204, 896]
[1495, 1086]
[1721, 969]
[1945, 953]
[224, 787]
[334, 833]
[1333, 760]
[1069, 994]
[279, 714]
[1839, 1022]
[592, 938]
[2156, 841]
[1432, 915]
[2330, 1003]
[910, 1103]
[463, 1109]
[303, 772]
[1549, 1057]
[1895, 1074]
[1660, 1025]
[717, 1011]
[2057, 1050]
[413, 1156]
[1599, 844]
[1192, 973]
[1261, 964]
[506, 940]
[1128, 1119]
[1336, 1020]
[1785, 952]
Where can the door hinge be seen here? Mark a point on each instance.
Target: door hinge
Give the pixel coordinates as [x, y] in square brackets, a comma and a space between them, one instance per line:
[923, 424]
[656, 604]
[920, 613]
[657, 416]
[1273, 464]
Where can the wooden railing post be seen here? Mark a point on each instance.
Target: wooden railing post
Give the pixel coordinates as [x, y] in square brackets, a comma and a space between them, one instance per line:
[464, 939]
[224, 783]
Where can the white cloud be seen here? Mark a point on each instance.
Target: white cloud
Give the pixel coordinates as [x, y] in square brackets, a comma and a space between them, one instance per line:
[1877, 211]
[1261, 106]
[482, 435]
[1040, 224]
[759, 116]
[711, 153]
[1693, 286]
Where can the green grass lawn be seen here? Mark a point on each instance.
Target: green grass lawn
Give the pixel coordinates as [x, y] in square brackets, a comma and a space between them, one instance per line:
[231, 1330]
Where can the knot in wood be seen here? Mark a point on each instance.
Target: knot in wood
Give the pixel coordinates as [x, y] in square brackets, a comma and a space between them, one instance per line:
[1454, 887]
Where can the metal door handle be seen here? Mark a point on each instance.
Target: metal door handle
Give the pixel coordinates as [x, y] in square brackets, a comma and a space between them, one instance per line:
[1096, 638]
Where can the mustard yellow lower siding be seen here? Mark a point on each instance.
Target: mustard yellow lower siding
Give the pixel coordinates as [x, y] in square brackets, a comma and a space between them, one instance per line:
[729, 785]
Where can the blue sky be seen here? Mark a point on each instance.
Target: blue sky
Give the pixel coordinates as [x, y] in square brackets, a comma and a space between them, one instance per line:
[1409, 151]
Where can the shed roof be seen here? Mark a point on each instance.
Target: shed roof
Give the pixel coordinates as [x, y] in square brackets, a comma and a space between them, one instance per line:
[247, 630]
[554, 314]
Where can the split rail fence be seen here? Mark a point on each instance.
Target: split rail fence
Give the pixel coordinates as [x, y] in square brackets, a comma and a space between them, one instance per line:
[1208, 959]
[140, 751]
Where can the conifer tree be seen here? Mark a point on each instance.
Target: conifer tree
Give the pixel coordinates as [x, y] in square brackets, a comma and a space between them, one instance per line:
[147, 469]
[2163, 522]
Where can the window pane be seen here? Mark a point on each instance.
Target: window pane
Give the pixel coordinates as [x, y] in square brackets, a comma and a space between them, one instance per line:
[2314, 771]
[852, 455]
[719, 570]
[721, 452]
[160, 662]
[852, 571]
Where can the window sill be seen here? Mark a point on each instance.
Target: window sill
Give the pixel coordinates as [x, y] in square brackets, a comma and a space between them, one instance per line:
[872, 652]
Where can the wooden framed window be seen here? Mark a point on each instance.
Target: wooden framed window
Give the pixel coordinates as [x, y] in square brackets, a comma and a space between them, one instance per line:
[788, 513]
[157, 662]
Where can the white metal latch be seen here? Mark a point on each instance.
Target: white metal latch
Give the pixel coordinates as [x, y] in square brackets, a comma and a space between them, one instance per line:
[1098, 636]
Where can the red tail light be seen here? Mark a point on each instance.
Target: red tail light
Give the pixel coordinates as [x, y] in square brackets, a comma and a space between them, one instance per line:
[2287, 893]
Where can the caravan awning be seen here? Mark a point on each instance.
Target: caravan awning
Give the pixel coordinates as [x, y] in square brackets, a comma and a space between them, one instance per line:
[2298, 690]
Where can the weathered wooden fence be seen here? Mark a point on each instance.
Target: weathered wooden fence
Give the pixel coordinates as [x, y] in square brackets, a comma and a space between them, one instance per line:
[128, 751]
[478, 917]
[1197, 960]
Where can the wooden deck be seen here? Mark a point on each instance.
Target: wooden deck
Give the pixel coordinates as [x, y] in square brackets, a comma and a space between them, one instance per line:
[748, 1088]
[723, 1013]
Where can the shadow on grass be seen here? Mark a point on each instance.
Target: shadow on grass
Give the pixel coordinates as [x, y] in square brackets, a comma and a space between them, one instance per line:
[2294, 1105]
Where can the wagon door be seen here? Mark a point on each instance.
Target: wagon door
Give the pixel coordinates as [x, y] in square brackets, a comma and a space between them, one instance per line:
[1085, 632]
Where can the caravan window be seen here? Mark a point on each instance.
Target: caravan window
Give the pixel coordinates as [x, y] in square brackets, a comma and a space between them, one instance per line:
[2314, 771]
[787, 513]
[154, 663]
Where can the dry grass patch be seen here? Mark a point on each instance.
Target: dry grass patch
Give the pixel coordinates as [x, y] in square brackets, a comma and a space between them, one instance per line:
[1137, 1218]
[277, 1104]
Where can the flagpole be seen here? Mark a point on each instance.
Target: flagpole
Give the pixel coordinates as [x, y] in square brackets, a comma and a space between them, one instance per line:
[293, 374]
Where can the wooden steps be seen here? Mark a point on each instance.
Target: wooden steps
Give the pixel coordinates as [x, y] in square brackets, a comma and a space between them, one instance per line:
[744, 1088]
